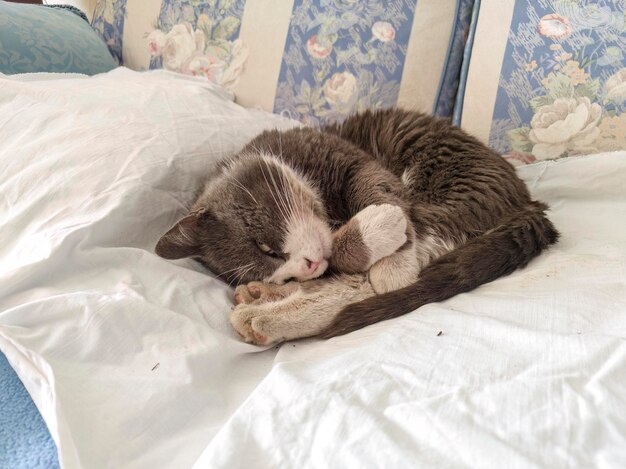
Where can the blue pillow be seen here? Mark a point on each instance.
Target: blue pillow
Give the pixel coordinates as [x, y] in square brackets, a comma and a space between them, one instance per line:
[38, 39]
[25, 442]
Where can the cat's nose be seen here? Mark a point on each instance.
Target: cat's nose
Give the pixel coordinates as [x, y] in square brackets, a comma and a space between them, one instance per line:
[312, 265]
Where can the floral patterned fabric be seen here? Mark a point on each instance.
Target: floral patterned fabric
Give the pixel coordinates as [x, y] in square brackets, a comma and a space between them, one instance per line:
[338, 56]
[38, 39]
[211, 50]
[343, 56]
[562, 89]
[108, 21]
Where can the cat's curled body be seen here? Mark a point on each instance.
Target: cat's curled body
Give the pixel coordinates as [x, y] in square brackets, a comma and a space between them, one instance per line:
[403, 208]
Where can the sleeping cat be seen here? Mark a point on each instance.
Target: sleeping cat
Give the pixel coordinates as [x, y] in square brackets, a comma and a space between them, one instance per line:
[329, 231]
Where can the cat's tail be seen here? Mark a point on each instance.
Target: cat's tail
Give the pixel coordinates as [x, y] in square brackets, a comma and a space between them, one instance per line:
[496, 253]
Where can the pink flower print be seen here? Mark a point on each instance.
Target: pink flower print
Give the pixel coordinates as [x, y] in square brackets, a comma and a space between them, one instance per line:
[156, 41]
[318, 47]
[554, 26]
[341, 89]
[204, 66]
[383, 31]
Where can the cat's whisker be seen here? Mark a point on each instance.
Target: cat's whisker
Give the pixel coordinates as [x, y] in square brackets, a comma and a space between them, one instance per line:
[242, 187]
[235, 273]
[301, 202]
[230, 284]
[289, 197]
[302, 205]
[270, 188]
[283, 177]
[287, 192]
[244, 273]
[236, 268]
[280, 193]
[301, 190]
[278, 199]
[234, 278]
[255, 148]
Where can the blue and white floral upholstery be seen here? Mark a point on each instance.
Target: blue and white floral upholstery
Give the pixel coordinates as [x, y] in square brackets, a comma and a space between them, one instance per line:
[316, 60]
[547, 78]
[34, 38]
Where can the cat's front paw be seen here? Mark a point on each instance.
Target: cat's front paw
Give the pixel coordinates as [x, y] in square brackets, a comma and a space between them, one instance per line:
[383, 229]
[259, 292]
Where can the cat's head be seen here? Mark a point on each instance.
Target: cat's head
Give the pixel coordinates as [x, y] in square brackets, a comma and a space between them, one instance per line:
[255, 220]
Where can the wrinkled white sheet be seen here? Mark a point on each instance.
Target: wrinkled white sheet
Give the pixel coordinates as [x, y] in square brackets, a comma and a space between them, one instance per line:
[132, 362]
[129, 357]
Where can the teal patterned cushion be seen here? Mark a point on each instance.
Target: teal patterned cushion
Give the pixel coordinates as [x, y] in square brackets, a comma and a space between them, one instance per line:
[38, 39]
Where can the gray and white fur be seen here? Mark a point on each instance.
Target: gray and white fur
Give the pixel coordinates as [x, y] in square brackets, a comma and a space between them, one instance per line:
[329, 231]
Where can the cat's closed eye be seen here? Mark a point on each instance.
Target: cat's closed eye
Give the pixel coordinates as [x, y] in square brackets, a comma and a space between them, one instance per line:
[265, 249]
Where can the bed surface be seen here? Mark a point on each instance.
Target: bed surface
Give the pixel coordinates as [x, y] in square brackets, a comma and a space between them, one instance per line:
[132, 362]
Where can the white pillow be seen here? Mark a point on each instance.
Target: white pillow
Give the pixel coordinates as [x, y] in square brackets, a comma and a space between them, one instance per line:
[107, 337]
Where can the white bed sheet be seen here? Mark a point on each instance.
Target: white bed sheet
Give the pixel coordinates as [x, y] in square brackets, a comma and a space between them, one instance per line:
[529, 371]
[132, 362]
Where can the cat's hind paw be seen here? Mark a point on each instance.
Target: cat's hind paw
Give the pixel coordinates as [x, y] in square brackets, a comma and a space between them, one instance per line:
[241, 319]
[250, 322]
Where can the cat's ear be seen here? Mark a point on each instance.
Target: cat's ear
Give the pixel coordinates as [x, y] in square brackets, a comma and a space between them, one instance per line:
[183, 239]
